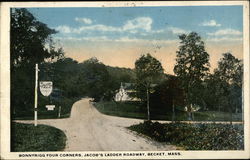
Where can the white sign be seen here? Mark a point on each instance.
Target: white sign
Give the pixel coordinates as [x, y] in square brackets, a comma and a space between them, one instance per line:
[50, 107]
[46, 87]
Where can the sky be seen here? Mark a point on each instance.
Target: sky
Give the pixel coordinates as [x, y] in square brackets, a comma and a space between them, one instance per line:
[118, 36]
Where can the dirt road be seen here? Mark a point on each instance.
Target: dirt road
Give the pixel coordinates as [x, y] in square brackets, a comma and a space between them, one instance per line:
[89, 130]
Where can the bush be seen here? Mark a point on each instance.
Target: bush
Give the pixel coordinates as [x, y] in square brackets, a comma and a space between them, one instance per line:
[27, 137]
[195, 136]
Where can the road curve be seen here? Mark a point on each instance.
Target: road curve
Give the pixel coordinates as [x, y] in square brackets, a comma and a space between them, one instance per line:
[89, 130]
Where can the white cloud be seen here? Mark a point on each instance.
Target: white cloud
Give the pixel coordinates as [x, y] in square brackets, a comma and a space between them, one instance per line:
[84, 20]
[158, 31]
[211, 23]
[64, 29]
[125, 39]
[223, 32]
[136, 40]
[98, 38]
[99, 27]
[176, 30]
[140, 26]
[138, 23]
[223, 39]
[132, 26]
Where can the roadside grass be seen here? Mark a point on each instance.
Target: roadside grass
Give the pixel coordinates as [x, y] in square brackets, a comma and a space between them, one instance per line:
[194, 136]
[43, 113]
[27, 137]
[136, 110]
[217, 116]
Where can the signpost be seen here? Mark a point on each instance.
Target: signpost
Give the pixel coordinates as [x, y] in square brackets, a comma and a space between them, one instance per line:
[59, 112]
[46, 87]
[50, 107]
[35, 107]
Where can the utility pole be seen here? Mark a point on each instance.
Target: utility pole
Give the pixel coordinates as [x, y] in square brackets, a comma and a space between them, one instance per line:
[59, 112]
[35, 107]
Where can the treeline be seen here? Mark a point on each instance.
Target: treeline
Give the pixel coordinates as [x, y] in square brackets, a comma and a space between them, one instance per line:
[90, 78]
[193, 85]
[31, 43]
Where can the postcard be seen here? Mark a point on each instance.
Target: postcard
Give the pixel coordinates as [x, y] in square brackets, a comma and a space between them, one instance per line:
[125, 80]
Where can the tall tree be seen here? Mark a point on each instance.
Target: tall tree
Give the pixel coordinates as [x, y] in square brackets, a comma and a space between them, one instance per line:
[230, 73]
[30, 43]
[192, 65]
[230, 69]
[148, 72]
[30, 39]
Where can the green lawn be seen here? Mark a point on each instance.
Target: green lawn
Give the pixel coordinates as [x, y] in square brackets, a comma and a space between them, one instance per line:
[135, 110]
[27, 137]
[194, 136]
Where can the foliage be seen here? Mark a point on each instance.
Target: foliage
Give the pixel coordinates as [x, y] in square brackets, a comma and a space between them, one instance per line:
[30, 43]
[148, 71]
[168, 94]
[192, 65]
[94, 78]
[29, 38]
[230, 69]
[195, 136]
[229, 77]
[27, 137]
[57, 72]
[133, 109]
[121, 74]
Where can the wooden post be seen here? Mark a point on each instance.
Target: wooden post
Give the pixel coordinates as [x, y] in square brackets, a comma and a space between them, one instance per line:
[35, 107]
[173, 111]
[148, 103]
[59, 112]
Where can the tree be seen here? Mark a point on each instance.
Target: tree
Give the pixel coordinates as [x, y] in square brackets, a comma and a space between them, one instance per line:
[230, 73]
[148, 71]
[94, 78]
[30, 39]
[57, 71]
[192, 65]
[230, 69]
[30, 43]
[172, 90]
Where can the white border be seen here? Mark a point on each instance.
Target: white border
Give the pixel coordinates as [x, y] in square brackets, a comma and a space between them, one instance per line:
[5, 76]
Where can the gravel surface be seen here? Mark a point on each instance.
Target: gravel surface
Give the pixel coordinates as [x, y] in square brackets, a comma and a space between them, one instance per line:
[89, 130]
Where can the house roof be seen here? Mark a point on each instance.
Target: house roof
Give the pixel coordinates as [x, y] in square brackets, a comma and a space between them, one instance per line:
[128, 86]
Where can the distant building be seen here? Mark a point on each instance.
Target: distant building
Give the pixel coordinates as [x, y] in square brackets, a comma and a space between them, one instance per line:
[125, 91]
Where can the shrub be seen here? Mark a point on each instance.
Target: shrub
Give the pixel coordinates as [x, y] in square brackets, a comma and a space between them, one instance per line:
[195, 136]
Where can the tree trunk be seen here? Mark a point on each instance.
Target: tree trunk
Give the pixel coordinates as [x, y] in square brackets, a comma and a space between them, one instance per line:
[148, 104]
[236, 109]
[189, 116]
[189, 110]
[204, 105]
[231, 116]
[173, 112]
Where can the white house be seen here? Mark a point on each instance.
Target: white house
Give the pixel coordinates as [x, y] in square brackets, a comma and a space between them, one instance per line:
[124, 91]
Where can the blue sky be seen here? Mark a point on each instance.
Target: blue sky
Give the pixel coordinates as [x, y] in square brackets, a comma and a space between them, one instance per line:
[103, 31]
